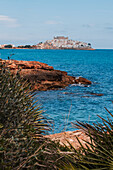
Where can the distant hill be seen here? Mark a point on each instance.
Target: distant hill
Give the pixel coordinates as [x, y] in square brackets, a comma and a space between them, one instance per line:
[61, 42]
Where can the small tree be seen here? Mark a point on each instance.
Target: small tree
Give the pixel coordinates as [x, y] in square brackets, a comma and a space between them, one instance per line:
[8, 46]
[27, 46]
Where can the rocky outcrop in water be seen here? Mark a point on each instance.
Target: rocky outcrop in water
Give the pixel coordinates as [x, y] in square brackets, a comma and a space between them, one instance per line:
[42, 76]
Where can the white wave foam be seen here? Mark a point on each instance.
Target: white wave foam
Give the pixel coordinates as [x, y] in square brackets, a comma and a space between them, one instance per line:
[78, 77]
[80, 85]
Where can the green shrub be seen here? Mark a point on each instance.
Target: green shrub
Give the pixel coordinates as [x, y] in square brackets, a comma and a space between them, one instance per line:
[21, 123]
[98, 152]
[22, 145]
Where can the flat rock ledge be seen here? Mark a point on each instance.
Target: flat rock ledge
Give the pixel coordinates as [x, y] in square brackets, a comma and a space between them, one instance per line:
[42, 76]
[70, 136]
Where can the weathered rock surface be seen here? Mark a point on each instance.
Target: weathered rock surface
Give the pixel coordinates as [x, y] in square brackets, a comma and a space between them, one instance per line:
[70, 136]
[42, 76]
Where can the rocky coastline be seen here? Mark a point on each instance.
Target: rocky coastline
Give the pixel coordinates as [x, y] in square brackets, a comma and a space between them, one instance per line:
[64, 138]
[42, 76]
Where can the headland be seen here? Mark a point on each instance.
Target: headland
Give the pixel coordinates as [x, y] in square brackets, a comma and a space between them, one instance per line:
[58, 42]
[42, 76]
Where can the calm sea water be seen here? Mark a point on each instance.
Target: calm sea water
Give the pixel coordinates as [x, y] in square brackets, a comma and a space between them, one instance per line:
[75, 102]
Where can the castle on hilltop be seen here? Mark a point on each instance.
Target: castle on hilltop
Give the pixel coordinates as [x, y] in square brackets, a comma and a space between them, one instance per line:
[58, 42]
[61, 42]
[61, 37]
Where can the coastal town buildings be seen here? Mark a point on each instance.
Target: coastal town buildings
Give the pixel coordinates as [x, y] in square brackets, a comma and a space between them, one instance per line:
[61, 42]
[58, 42]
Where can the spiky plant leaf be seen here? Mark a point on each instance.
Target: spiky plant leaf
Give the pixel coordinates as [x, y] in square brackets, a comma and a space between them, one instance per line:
[21, 123]
[98, 151]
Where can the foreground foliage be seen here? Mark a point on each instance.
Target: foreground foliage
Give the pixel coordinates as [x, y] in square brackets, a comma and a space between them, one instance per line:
[22, 145]
[98, 152]
[21, 123]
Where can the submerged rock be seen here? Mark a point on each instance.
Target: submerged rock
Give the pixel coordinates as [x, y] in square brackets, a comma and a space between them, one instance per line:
[97, 94]
[81, 80]
[42, 76]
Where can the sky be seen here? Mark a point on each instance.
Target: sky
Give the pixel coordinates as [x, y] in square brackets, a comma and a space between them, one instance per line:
[33, 21]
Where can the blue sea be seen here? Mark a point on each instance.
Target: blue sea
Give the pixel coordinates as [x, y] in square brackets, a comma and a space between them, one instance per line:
[75, 102]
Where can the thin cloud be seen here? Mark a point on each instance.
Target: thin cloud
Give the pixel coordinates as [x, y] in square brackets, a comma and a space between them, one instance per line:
[6, 18]
[87, 25]
[62, 32]
[109, 28]
[52, 22]
[10, 22]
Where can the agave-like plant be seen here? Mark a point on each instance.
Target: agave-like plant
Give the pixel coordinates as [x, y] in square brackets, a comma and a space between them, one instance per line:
[98, 152]
[21, 123]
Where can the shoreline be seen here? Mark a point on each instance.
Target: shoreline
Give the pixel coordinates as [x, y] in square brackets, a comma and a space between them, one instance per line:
[87, 49]
[70, 136]
[42, 76]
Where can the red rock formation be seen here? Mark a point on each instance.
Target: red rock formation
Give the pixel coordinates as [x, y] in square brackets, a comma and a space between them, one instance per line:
[42, 76]
[82, 80]
[97, 94]
[70, 136]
